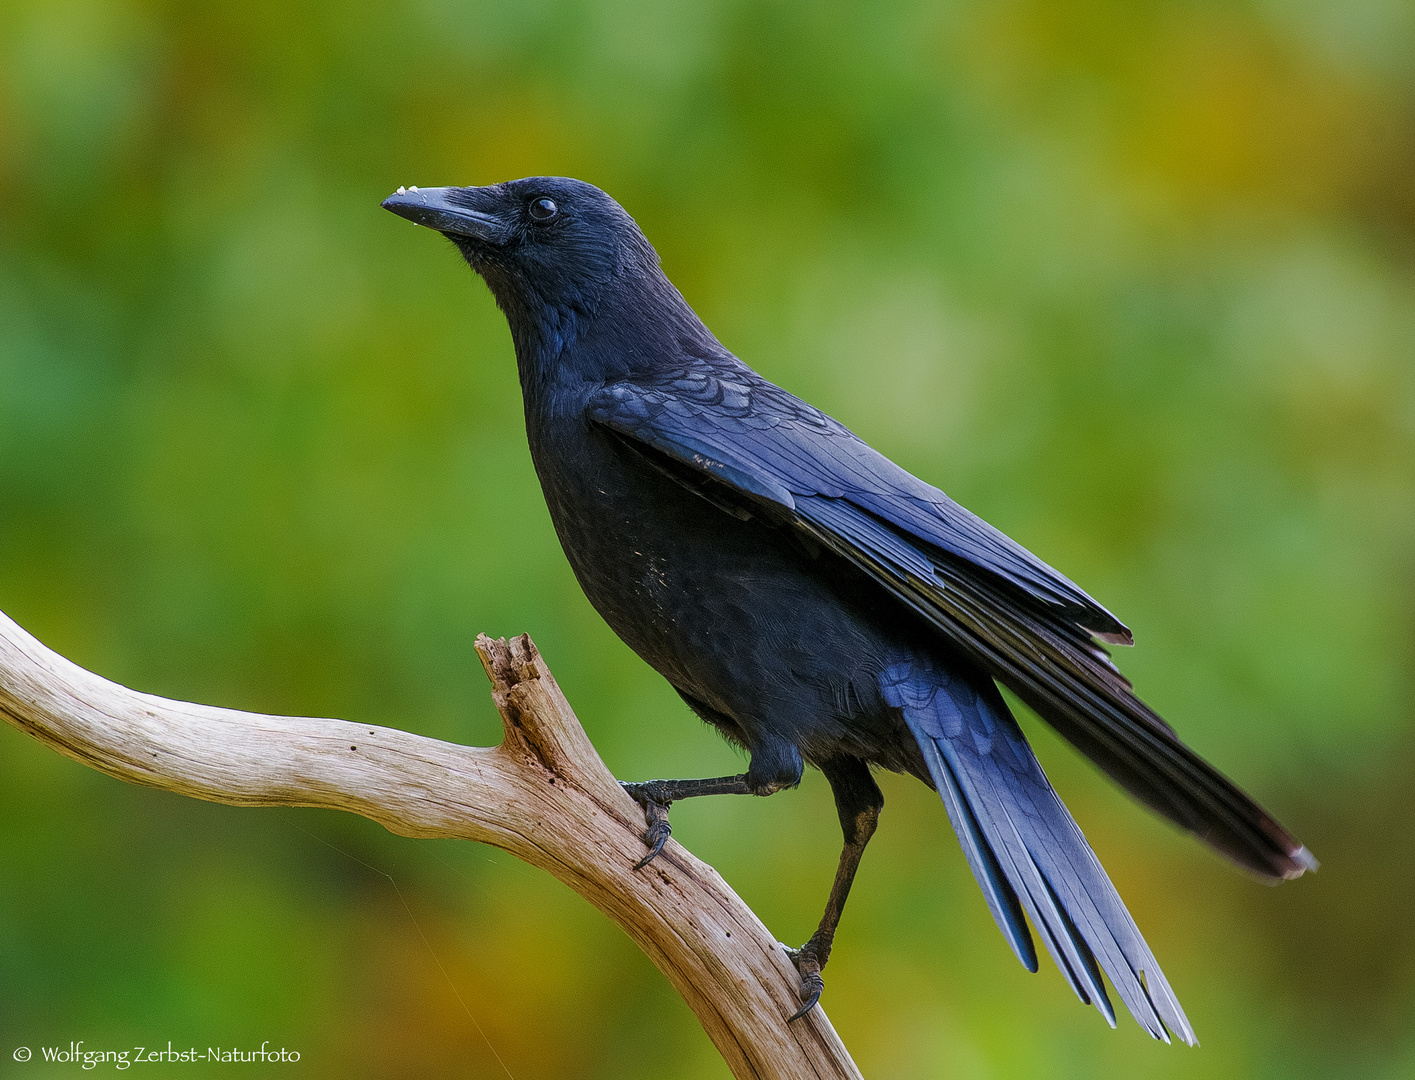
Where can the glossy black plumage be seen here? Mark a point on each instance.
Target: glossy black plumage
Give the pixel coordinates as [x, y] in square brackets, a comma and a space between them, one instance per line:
[817, 603]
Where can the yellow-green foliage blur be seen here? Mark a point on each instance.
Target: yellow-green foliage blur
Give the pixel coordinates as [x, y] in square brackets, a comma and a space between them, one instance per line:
[1134, 281]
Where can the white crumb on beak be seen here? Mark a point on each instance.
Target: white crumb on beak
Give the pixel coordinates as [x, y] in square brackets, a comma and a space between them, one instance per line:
[402, 190]
[413, 188]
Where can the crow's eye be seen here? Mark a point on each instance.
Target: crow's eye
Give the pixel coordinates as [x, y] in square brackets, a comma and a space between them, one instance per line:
[543, 209]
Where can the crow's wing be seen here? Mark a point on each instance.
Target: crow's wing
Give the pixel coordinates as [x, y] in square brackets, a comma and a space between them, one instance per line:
[746, 445]
[775, 446]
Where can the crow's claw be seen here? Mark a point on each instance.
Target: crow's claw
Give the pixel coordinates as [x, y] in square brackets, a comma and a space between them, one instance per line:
[657, 834]
[656, 814]
[812, 985]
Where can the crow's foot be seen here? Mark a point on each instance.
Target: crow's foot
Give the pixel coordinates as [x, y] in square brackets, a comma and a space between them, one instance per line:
[809, 968]
[655, 814]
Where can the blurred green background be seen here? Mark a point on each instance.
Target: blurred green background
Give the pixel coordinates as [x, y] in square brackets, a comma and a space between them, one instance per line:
[1135, 281]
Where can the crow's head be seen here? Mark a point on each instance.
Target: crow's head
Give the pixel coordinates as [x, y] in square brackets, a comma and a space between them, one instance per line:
[579, 283]
[544, 240]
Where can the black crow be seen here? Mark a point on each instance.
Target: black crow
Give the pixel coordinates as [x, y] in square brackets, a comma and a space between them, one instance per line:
[816, 603]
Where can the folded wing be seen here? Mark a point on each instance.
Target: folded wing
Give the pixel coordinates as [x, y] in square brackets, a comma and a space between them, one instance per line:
[748, 445]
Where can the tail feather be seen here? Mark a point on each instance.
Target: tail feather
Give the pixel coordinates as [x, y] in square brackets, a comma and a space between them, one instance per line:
[1024, 847]
[1002, 901]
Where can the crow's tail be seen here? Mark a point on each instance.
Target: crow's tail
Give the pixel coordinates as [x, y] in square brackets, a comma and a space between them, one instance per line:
[1024, 847]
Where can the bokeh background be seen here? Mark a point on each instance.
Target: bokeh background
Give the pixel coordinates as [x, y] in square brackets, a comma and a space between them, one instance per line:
[1133, 280]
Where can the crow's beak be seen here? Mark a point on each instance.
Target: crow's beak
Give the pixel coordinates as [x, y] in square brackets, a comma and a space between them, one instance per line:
[444, 209]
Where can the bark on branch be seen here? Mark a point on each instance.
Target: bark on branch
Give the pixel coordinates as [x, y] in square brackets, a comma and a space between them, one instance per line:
[543, 795]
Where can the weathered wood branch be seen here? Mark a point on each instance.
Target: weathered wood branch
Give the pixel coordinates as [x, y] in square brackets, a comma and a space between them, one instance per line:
[543, 795]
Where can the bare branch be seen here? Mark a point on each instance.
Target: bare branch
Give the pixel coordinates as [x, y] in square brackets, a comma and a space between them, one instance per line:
[543, 795]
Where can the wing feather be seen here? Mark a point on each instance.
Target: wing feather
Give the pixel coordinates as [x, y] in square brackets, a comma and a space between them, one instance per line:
[1020, 620]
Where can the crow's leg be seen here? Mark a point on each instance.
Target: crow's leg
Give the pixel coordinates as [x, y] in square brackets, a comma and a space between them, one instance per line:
[656, 796]
[772, 768]
[858, 801]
